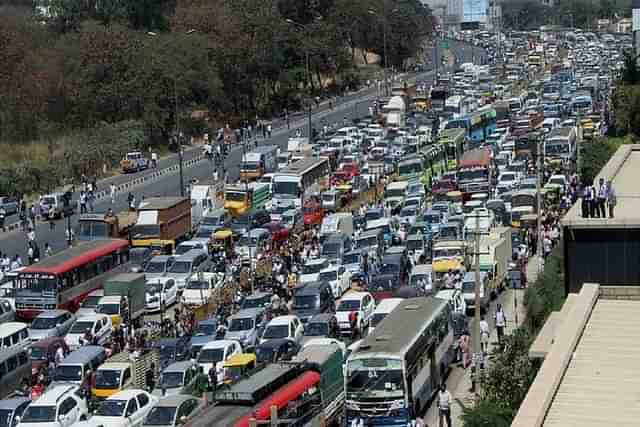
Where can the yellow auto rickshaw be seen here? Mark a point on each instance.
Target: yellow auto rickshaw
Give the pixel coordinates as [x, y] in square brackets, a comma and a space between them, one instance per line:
[455, 197]
[238, 366]
[221, 240]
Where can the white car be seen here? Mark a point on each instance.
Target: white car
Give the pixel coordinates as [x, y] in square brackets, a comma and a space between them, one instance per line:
[89, 304]
[60, 406]
[362, 303]
[338, 277]
[162, 289]
[324, 342]
[127, 408]
[215, 353]
[200, 288]
[289, 327]
[311, 269]
[508, 180]
[455, 298]
[408, 215]
[99, 325]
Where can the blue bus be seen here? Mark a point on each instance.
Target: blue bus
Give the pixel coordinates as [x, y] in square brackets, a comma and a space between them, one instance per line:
[478, 125]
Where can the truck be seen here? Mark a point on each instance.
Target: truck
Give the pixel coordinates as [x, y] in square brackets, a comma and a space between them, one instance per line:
[242, 198]
[162, 223]
[134, 162]
[204, 200]
[92, 226]
[495, 256]
[122, 371]
[448, 255]
[256, 163]
[475, 171]
[124, 298]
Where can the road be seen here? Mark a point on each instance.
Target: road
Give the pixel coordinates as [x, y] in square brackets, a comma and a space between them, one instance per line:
[350, 107]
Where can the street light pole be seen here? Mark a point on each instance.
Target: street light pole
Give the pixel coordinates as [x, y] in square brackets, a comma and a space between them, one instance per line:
[178, 135]
[384, 47]
[304, 32]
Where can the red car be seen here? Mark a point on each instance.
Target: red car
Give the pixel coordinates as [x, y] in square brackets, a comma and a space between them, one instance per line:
[279, 232]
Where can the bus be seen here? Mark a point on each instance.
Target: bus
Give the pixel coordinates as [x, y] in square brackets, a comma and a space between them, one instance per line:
[478, 125]
[410, 169]
[581, 105]
[63, 280]
[453, 142]
[459, 105]
[396, 369]
[438, 97]
[300, 180]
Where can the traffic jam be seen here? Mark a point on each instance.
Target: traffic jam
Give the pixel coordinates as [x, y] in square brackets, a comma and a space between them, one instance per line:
[332, 283]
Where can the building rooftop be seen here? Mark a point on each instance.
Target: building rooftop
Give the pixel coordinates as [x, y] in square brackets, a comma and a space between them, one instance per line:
[590, 375]
[623, 169]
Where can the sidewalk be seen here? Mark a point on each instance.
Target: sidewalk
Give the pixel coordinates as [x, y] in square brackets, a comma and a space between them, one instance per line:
[459, 380]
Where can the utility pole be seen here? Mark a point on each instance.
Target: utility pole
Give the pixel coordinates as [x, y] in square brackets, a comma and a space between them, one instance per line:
[178, 135]
[539, 202]
[477, 346]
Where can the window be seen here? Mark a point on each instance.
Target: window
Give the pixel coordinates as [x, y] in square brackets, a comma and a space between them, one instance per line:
[126, 376]
[66, 406]
[12, 363]
[132, 408]
[22, 358]
[143, 399]
[15, 338]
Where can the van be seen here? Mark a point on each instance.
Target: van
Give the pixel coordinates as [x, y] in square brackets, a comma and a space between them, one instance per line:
[371, 241]
[111, 377]
[246, 326]
[75, 366]
[311, 299]
[469, 291]
[158, 266]
[15, 366]
[14, 335]
[252, 243]
[422, 273]
[176, 378]
[385, 307]
[55, 201]
[337, 223]
[335, 246]
[186, 265]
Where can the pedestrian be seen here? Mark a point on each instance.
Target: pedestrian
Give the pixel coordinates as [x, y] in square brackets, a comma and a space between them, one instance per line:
[3, 215]
[112, 193]
[154, 160]
[52, 217]
[547, 245]
[32, 215]
[269, 130]
[611, 198]
[484, 335]
[132, 202]
[464, 346]
[444, 405]
[30, 254]
[501, 322]
[601, 199]
[83, 202]
[149, 377]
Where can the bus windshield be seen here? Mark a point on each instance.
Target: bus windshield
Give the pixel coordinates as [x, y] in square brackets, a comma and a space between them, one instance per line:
[375, 380]
[286, 187]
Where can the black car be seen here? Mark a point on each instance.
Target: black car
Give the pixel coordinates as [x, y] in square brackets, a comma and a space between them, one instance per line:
[311, 299]
[276, 350]
[324, 325]
[172, 350]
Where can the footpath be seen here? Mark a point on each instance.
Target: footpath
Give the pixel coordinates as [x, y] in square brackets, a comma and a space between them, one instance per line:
[459, 380]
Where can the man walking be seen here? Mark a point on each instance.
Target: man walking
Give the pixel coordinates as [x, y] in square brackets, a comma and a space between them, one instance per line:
[611, 198]
[601, 192]
[444, 405]
[501, 322]
[484, 335]
[112, 193]
[3, 215]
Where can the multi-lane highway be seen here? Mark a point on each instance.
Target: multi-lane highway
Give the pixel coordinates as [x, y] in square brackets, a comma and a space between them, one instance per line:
[14, 242]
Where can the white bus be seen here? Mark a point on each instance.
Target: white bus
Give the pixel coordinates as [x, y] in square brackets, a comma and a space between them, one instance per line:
[397, 369]
[300, 180]
[459, 105]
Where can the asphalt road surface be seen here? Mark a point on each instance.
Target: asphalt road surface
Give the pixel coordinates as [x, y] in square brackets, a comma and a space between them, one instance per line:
[350, 107]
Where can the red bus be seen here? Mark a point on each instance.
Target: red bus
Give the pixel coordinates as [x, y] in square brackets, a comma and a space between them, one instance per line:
[63, 280]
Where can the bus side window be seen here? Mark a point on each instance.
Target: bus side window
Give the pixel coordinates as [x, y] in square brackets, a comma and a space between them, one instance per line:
[24, 334]
[12, 363]
[22, 358]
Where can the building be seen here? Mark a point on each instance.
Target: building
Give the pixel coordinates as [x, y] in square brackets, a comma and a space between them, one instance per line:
[607, 251]
[475, 11]
[589, 376]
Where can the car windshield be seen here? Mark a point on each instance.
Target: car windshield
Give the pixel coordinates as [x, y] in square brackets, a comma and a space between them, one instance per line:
[205, 329]
[198, 284]
[183, 249]
[107, 379]
[372, 215]
[276, 331]
[349, 305]
[111, 408]
[171, 379]
[331, 249]
[468, 287]
[110, 309]
[389, 268]
[211, 220]
[5, 417]
[313, 268]
[507, 177]
[241, 324]
[350, 259]
[180, 267]
[38, 353]
[408, 211]
[39, 414]
[211, 355]
[43, 323]
[81, 326]
[68, 373]
[264, 355]
[91, 301]
[329, 276]
[303, 302]
[155, 267]
[316, 329]
[254, 302]
[160, 416]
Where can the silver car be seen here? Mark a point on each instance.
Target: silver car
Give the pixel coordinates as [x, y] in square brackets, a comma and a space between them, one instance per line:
[51, 323]
[173, 411]
[246, 326]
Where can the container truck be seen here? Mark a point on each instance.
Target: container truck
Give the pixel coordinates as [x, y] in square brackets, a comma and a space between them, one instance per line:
[162, 223]
[124, 298]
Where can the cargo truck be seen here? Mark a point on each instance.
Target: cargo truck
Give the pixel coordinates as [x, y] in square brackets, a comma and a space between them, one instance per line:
[124, 298]
[162, 223]
[256, 163]
[242, 198]
[495, 256]
[95, 226]
[121, 371]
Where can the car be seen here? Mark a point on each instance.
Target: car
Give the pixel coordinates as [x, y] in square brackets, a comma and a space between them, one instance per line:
[311, 269]
[172, 350]
[408, 215]
[51, 323]
[246, 326]
[215, 353]
[158, 266]
[200, 288]
[323, 325]
[361, 303]
[279, 233]
[127, 408]
[9, 204]
[312, 298]
[177, 378]
[415, 201]
[173, 411]
[7, 312]
[283, 327]
[326, 342]
[508, 180]
[275, 350]
[159, 291]
[256, 300]
[189, 245]
[90, 303]
[60, 406]
[43, 351]
[206, 327]
[11, 410]
[55, 201]
[338, 277]
[99, 325]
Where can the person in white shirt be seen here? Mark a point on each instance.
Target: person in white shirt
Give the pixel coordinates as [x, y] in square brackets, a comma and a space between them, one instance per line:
[444, 405]
[59, 356]
[112, 193]
[501, 322]
[484, 335]
[546, 246]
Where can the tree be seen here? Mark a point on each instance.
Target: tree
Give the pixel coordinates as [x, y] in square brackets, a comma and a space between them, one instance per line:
[524, 14]
[486, 413]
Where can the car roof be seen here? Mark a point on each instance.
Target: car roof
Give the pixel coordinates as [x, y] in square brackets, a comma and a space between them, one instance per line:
[125, 394]
[91, 316]
[180, 366]
[52, 313]
[321, 318]
[354, 295]
[82, 354]
[174, 400]
[52, 395]
[310, 288]
[218, 344]
[282, 320]
[247, 312]
[45, 342]
[274, 343]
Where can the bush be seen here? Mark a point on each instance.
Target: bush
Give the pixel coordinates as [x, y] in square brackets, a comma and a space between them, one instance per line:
[596, 154]
[486, 413]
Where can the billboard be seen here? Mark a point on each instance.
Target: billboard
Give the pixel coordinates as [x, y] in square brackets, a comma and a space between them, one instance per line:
[475, 11]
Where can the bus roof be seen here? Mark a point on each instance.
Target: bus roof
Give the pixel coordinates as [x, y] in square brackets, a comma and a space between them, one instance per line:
[303, 166]
[76, 256]
[159, 203]
[402, 327]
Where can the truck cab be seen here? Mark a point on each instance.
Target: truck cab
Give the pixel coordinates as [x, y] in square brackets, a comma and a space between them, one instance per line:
[104, 225]
[134, 162]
